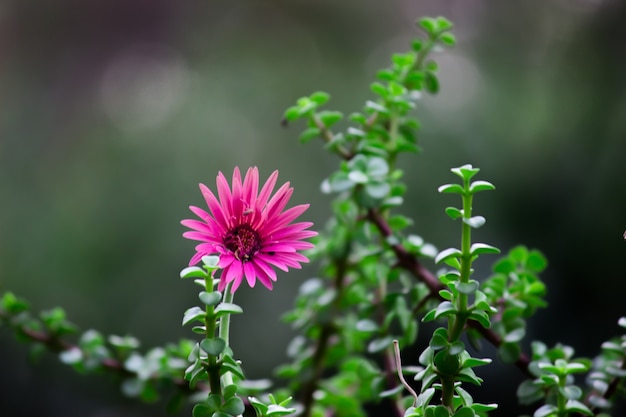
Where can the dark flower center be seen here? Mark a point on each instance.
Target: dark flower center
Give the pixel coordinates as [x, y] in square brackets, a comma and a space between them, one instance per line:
[243, 241]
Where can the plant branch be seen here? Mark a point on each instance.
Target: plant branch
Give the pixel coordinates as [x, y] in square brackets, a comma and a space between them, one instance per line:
[56, 345]
[410, 263]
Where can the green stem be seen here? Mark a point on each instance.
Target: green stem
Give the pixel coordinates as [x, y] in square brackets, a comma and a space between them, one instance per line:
[212, 366]
[447, 392]
[459, 320]
[224, 329]
[561, 400]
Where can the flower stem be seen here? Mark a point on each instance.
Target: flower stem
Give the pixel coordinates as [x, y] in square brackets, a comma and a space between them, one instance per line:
[212, 368]
[224, 329]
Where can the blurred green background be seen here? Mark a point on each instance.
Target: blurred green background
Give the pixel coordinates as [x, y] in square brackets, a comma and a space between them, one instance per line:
[112, 112]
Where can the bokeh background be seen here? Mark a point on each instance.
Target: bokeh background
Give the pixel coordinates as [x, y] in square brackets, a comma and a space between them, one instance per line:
[111, 113]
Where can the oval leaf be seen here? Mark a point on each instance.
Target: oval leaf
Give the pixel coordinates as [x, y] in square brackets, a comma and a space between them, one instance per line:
[477, 186]
[451, 188]
[213, 346]
[483, 248]
[454, 213]
[210, 298]
[227, 308]
[193, 272]
[193, 313]
[475, 222]
[447, 254]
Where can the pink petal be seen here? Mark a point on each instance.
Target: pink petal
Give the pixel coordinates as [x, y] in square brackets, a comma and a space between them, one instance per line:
[278, 201]
[264, 279]
[202, 237]
[272, 260]
[214, 206]
[251, 186]
[226, 198]
[199, 212]
[263, 266]
[250, 273]
[237, 196]
[266, 191]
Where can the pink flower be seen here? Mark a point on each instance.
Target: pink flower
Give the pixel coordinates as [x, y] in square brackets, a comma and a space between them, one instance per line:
[249, 230]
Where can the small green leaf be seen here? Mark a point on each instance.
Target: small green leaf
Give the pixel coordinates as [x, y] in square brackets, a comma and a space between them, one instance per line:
[445, 308]
[380, 344]
[292, 113]
[125, 342]
[515, 335]
[354, 132]
[443, 23]
[447, 254]
[446, 295]
[193, 272]
[428, 24]
[320, 97]
[482, 317]
[233, 406]
[454, 213]
[11, 304]
[451, 188]
[474, 222]
[381, 90]
[574, 406]
[213, 346]
[399, 222]
[431, 82]
[329, 118]
[464, 412]
[201, 410]
[477, 186]
[456, 348]
[308, 134]
[536, 261]
[377, 167]
[466, 171]
[483, 248]
[193, 313]
[447, 38]
[465, 396]
[211, 262]
[438, 342]
[571, 392]
[483, 408]
[376, 107]
[468, 288]
[529, 391]
[378, 190]
[474, 362]
[358, 177]
[546, 410]
[71, 356]
[210, 298]
[575, 367]
[227, 308]
[366, 325]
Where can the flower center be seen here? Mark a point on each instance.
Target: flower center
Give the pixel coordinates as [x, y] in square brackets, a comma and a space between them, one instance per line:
[243, 241]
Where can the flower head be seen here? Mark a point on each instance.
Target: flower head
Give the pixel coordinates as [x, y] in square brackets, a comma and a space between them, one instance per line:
[249, 229]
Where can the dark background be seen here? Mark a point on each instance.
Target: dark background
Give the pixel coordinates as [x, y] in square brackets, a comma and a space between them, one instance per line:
[111, 112]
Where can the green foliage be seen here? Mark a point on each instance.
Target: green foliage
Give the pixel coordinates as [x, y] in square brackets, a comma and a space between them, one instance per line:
[517, 290]
[372, 292]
